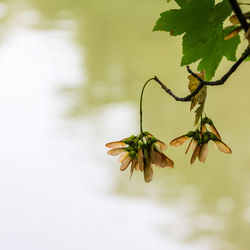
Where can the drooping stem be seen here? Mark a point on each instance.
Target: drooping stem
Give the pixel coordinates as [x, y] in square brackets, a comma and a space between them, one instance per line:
[142, 91]
[203, 83]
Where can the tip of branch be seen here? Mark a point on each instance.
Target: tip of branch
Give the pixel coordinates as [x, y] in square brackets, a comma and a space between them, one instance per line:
[188, 69]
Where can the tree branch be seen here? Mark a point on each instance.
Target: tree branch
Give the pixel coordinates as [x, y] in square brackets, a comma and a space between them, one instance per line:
[245, 54]
[244, 3]
[202, 82]
[245, 26]
[180, 99]
[237, 10]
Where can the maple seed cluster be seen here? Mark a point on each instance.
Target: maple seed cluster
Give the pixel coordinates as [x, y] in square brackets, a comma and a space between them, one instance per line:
[140, 152]
[200, 138]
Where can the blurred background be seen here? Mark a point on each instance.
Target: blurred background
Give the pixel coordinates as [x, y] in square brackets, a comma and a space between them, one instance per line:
[71, 72]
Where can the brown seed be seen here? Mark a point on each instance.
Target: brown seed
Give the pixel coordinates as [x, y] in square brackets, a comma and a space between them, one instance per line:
[195, 154]
[125, 163]
[203, 129]
[161, 145]
[115, 151]
[169, 162]
[140, 159]
[148, 172]
[116, 144]
[234, 19]
[137, 166]
[134, 162]
[189, 145]
[214, 131]
[123, 156]
[179, 140]
[159, 160]
[233, 33]
[223, 147]
[203, 152]
[194, 145]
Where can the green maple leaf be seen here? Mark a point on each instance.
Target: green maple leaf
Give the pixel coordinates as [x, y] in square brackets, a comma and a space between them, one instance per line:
[201, 22]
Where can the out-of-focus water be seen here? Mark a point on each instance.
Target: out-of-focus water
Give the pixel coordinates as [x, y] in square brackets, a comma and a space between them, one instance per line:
[71, 74]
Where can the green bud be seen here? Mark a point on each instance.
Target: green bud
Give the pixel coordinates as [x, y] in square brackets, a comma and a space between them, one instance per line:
[190, 134]
[213, 137]
[132, 153]
[196, 136]
[145, 133]
[209, 121]
[140, 144]
[136, 140]
[204, 120]
[128, 141]
[140, 136]
[153, 139]
[205, 138]
[128, 149]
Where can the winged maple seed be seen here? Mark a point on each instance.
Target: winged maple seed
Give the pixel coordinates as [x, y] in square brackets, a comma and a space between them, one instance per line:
[140, 152]
[200, 139]
[234, 20]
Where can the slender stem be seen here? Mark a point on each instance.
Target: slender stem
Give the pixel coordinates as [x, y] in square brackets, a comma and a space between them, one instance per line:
[142, 91]
[244, 3]
[244, 55]
[177, 98]
[203, 83]
[201, 120]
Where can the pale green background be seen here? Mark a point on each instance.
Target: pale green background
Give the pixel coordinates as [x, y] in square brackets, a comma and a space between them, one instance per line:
[71, 72]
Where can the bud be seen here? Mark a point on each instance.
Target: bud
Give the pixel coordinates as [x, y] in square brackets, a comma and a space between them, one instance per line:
[190, 134]
[128, 148]
[205, 138]
[213, 137]
[196, 136]
[128, 141]
[140, 144]
[153, 139]
[204, 120]
[136, 140]
[209, 121]
[132, 153]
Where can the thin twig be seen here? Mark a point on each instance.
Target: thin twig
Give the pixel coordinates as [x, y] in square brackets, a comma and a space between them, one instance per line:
[237, 10]
[202, 82]
[223, 79]
[244, 3]
[180, 99]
